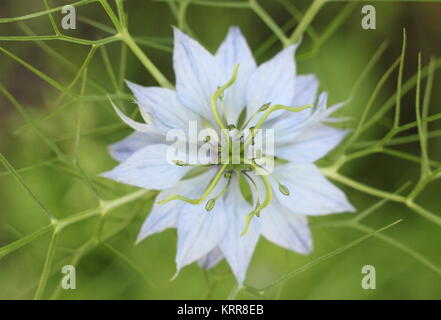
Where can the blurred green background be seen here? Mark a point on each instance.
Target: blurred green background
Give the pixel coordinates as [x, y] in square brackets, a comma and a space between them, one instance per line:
[118, 269]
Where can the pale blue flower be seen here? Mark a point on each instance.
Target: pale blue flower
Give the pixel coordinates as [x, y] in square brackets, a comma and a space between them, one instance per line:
[301, 138]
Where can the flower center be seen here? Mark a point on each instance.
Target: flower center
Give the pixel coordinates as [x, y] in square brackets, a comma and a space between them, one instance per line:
[237, 155]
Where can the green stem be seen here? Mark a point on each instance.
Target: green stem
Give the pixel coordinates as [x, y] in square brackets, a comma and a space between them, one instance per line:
[47, 265]
[254, 5]
[362, 187]
[306, 21]
[147, 63]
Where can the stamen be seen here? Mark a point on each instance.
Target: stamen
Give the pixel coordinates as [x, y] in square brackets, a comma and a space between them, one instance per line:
[210, 188]
[261, 109]
[264, 107]
[254, 185]
[266, 115]
[210, 203]
[180, 163]
[282, 188]
[219, 94]
[259, 207]
[254, 212]
[268, 191]
[184, 164]
[247, 223]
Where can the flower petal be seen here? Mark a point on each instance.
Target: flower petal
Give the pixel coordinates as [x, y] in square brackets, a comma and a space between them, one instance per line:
[148, 168]
[286, 229]
[272, 82]
[138, 126]
[198, 74]
[211, 259]
[163, 216]
[310, 192]
[311, 144]
[238, 249]
[123, 149]
[199, 232]
[235, 50]
[164, 107]
[305, 91]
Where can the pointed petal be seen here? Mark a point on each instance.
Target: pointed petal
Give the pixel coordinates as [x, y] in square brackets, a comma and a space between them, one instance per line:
[272, 82]
[163, 216]
[286, 229]
[148, 168]
[310, 192]
[123, 149]
[238, 249]
[235, 50]
[138, 126]
[198, 74]
[211, 259]
[163, 106]
[305, 91]
[311, 144]
[307, 140]
[199, 230]
[288, 124]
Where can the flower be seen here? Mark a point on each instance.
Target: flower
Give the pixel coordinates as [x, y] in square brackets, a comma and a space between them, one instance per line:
[224, 222]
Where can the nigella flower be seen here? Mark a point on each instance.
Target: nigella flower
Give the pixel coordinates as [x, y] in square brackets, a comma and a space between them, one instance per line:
[222, 211]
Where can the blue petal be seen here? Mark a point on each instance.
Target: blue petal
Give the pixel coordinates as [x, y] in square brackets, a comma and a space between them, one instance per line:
[123, 149]
[286, 229]
[238, 249]
[235, 50]
[198, 74]
[305, 91]
[310, 192]
[311, 144]
[163, 216]
[162, 104]
[211, 259]
[272, 82]
[148, 168]
[138, 126]
[199, 230]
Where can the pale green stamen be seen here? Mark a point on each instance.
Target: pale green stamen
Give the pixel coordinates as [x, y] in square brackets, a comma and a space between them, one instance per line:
[266, 202]
[254, 185]
[211, 203]
[266, 115]
[219, 94]
[184, 164]
[282, 188]
[210, 188]
[261, 109]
